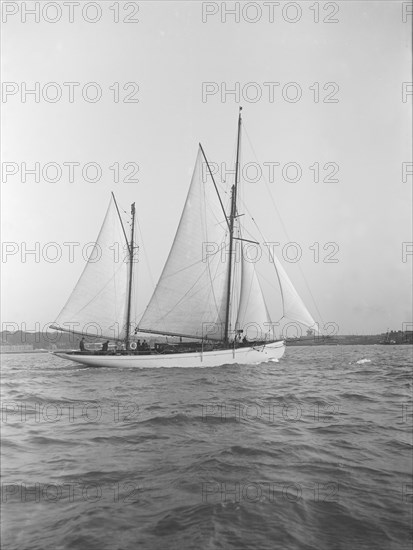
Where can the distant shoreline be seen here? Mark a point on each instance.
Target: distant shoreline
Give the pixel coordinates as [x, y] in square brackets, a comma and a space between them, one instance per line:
[36, 351]
[36, 342]
[298, 343]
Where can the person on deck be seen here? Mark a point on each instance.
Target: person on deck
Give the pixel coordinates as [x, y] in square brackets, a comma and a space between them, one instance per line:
[82, 344]
[105, 346]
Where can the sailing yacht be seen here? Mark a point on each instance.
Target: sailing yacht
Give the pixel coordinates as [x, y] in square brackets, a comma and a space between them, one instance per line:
[206, 300]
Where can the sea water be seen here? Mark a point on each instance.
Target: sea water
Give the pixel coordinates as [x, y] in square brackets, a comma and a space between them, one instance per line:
[313, 452]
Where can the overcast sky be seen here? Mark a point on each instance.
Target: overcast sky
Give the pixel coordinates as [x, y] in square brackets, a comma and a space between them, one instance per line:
[359, 123]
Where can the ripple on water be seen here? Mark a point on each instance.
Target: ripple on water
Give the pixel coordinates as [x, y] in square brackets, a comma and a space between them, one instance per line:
[313, 452]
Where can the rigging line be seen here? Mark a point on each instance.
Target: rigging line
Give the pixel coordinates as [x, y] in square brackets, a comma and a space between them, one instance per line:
[228, 183]
[121, 222]
[267, 186]
[154, 286]
[215, 185]
[185, 268]
[283, 226]
[219, 221]
[144, 251]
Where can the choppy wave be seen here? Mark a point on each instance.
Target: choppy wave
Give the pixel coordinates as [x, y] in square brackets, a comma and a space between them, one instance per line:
[313, 452]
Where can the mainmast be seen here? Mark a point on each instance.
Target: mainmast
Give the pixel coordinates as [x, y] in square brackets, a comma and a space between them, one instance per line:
[232, 217]
[131, 260]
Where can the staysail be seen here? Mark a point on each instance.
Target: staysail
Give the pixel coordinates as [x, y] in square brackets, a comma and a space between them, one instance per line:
[253, 318]
[190, 297]
[97, 305]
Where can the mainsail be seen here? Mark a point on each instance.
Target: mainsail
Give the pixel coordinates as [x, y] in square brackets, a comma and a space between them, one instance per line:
[97, 305]
[190, 297]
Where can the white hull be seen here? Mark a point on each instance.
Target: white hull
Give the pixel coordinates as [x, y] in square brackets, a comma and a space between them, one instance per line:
[242, 355]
